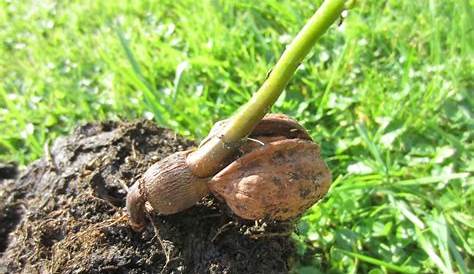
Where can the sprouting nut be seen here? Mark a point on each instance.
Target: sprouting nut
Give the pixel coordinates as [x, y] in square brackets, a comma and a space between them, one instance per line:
[277, 174]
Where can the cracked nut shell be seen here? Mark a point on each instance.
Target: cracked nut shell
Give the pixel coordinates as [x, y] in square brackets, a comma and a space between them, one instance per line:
[276, 181]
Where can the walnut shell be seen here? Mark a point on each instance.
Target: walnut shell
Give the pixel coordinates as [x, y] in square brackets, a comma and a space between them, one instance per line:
[277, 124]
[169, 185]
[277, 181]
[272, 124]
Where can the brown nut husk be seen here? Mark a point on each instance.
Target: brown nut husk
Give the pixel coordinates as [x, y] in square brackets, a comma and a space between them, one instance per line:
[170, 187]
[277, 181]
[278, 124]
[271, 125]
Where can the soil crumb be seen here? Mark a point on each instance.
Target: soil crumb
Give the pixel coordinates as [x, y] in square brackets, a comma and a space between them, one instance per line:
[65, 214]
[8, 171]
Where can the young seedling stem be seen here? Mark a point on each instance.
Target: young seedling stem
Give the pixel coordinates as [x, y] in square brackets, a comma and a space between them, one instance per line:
[214, 154]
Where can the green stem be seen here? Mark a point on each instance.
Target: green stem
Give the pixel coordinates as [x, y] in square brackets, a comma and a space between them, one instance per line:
[214, 154]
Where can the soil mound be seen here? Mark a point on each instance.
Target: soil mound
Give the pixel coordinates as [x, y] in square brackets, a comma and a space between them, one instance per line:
[65, 214]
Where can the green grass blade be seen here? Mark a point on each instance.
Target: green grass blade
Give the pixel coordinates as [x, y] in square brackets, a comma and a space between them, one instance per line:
[428, 247]
[148, 90]
[378, 262]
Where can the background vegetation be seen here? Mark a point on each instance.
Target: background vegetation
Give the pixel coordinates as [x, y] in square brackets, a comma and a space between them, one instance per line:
[388, 94]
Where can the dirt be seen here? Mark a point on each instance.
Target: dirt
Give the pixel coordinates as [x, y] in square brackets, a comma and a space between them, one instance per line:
[8, 171]
[65, 214]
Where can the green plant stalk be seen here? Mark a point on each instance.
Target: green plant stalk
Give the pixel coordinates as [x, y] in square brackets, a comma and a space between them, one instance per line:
[215, 154]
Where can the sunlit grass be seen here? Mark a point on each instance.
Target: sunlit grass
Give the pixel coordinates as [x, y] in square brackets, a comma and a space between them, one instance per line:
[388, 95]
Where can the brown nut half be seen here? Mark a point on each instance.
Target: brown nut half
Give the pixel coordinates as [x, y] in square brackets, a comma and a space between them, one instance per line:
[278, 124]
[272, 124]
[168, 185]
[277, 181]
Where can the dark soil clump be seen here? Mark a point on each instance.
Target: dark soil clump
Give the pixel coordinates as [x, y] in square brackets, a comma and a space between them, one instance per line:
[8, 171]
[65, 214]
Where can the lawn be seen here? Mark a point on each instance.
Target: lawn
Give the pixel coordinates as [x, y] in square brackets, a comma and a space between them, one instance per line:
[388, 94]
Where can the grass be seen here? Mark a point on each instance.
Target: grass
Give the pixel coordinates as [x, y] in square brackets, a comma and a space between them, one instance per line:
[388, 95]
